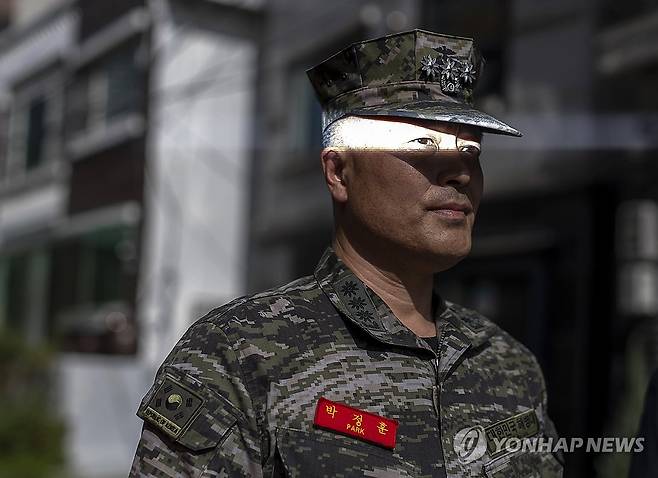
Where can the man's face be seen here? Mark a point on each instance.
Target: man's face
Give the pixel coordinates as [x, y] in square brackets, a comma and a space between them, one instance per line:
[413, 188]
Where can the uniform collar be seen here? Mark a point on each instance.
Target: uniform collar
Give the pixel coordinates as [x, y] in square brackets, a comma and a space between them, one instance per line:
[458, 328]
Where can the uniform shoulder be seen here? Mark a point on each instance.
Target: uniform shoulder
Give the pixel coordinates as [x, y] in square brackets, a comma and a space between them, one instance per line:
[248, 325]
[268, 304]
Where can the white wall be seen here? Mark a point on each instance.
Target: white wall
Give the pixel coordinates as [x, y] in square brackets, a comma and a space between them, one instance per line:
[98, 397]
[198, 155]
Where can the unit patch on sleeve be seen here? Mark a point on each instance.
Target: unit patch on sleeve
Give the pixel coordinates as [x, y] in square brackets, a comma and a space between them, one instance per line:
[172, 407]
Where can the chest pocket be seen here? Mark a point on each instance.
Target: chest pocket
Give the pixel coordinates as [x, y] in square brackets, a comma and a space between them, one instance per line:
[524, 464]
[319, 454]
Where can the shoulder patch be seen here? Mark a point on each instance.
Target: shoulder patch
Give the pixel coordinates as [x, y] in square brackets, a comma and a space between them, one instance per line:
[185, 409]
[172, 407]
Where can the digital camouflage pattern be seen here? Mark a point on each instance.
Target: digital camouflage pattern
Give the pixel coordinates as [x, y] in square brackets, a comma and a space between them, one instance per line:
[417, 74]
[253, 370]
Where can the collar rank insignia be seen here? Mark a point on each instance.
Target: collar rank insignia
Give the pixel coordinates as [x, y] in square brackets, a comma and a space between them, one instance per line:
[172, 407]
[357, 423]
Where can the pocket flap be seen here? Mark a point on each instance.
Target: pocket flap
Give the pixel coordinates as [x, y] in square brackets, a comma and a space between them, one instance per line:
[523, 464]
[319, 453]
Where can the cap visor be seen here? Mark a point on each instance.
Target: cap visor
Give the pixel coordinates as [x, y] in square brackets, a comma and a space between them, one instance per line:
[440, 111]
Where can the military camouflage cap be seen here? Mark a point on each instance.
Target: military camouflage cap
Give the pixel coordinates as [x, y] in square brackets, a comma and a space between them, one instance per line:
[415, 74]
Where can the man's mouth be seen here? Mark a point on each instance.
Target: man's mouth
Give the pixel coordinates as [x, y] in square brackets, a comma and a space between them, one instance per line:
[450, 213]
[452, 209]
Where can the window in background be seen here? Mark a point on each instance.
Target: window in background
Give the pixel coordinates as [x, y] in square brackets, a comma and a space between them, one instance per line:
[35, 120]
[36, 132]
[106, 90]
[92, 293]
[304, 113]
[77, 105]
[24, 279]
[305, 133]
[123, 83]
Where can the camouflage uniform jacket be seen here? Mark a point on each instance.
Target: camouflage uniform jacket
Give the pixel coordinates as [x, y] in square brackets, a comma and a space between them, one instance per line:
[237, 395]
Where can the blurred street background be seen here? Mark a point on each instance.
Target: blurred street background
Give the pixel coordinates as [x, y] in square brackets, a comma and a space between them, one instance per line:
[161, 157]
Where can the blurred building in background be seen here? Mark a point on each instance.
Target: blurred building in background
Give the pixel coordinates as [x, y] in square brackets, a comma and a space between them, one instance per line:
[160, 157]
[125, 132]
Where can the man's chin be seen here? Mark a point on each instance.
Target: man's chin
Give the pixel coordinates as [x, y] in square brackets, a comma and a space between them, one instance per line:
[440, 259]
[445, 262]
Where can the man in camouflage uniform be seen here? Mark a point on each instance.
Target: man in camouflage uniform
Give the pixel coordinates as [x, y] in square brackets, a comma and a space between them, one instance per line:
[362, 369]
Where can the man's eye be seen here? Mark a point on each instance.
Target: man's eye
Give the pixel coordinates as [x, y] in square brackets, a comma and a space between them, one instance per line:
[470, 149]
[424, 141]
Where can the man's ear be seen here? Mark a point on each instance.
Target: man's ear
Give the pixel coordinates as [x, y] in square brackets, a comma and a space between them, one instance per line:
[334, 168]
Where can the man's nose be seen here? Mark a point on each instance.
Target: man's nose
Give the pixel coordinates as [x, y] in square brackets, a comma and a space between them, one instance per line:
[453, 170]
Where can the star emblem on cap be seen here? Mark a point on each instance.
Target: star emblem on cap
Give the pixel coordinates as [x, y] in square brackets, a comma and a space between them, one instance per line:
[449, 69]
[430, 67]
[468, 74]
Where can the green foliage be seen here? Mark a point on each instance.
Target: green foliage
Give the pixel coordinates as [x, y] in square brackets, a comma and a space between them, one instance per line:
[31, 433]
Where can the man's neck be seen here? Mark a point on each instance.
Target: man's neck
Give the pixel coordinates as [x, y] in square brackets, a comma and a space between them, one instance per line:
[407, 293]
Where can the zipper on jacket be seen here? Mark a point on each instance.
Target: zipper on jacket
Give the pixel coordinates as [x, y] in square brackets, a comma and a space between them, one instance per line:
[436, 400]
[436, 389]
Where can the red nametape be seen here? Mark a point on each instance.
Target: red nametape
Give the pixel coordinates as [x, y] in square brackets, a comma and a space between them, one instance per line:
[357, 423]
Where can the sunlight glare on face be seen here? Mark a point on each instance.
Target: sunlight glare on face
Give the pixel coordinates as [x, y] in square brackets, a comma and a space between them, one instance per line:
[376, 134]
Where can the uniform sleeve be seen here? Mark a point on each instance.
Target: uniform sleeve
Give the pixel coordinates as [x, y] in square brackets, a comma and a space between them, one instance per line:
[199, 419]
